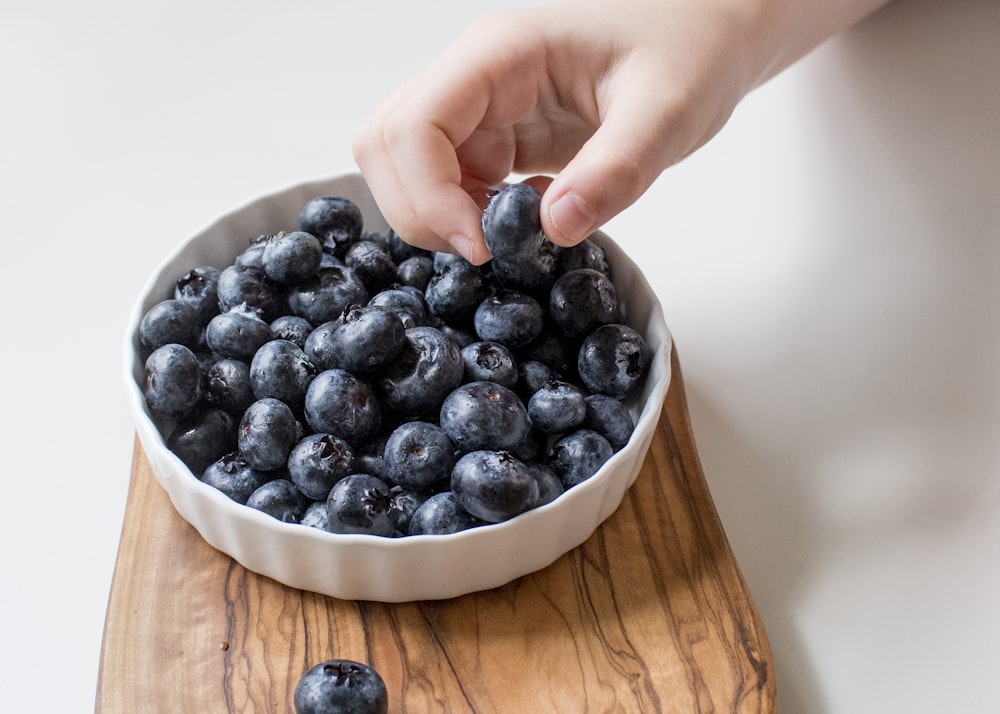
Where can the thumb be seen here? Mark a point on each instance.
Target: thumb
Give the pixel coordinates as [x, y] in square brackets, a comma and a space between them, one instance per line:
[635, 142]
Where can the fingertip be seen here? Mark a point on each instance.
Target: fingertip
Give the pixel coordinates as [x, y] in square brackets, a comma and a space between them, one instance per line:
[568, 218]
[472, 248]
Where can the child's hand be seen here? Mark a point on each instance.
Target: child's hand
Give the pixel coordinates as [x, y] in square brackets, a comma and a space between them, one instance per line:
[605, 94]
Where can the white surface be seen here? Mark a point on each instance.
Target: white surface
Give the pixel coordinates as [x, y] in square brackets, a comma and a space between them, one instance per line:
[831, 279]
[364, 567]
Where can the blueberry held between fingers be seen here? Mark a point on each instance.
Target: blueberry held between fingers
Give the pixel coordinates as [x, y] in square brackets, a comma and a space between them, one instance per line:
[523, 257]
[341, 686]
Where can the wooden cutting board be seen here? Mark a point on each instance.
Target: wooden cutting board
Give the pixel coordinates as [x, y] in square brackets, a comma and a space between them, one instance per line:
[651, 614]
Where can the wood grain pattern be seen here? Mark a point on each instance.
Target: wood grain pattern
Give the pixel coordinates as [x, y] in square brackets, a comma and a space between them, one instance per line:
[651, 614]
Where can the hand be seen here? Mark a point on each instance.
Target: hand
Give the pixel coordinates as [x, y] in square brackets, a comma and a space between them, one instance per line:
[605, 95]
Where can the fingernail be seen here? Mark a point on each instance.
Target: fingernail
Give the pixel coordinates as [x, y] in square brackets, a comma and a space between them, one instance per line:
[463, 246]
[573, 217]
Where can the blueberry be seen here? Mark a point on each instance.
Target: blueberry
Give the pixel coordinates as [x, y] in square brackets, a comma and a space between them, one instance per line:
[557, 407]
[484, 415]
[428, 368]
[227, 386]
[236, 478]
[266, 434]
[341, 686]
[578, 455]
[509, 317]
[373, 264]
[279, 499]
[321, 345]
[416, 271]
[585, 254]
[582, 300]
[199, 288]
[494, 485]
[403, 503]
[613, 360]
[237, 333]
[610, 418]
[531, 375]
[281, 369]
[511, 219]
[454, 292]
[253, 255]
[317, 462]
[335, 220]
[339, 403]
[316, 516]
[419, 455]
[173, 381]
[441, 514]
[491, 362]
[360, 503]
[291, 257]
[202, 437]
[550, 487]
[247, 284]
[323, 297]
[170, 321]
[523, 257]
[292, 328]
[364, 340]
[406, 304]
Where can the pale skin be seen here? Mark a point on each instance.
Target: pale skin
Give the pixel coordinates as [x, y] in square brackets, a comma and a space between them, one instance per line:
[592, 98]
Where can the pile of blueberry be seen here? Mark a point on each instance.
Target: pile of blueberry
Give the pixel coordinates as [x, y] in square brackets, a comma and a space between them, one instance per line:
[346, 380]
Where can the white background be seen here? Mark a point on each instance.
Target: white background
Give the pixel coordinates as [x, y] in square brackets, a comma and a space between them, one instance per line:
[829, 266]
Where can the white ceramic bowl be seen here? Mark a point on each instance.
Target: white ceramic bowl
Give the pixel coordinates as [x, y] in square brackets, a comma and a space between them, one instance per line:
[364, 567]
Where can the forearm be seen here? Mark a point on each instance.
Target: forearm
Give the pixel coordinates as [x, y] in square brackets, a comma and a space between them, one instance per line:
[790, 29]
